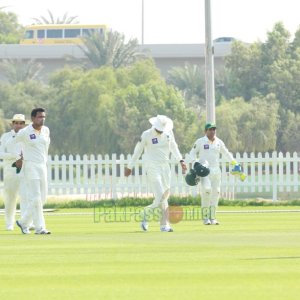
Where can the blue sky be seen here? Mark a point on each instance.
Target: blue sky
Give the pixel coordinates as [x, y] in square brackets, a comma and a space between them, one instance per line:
[170, 21]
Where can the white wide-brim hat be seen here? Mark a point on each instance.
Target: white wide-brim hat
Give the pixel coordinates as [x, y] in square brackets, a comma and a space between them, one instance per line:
[161, 123]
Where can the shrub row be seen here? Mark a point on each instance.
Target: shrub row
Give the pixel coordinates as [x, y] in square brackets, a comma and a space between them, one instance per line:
[184, 201]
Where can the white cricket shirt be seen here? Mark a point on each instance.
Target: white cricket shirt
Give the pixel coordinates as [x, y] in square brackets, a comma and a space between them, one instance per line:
[157, 147]
[10, 150]
[35, 144]
[204, 149]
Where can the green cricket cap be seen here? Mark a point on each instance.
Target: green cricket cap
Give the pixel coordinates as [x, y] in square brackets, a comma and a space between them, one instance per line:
[210, 125]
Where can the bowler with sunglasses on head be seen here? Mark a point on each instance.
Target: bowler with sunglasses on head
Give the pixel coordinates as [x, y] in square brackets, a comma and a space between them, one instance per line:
[206, 151]
[10, 152]
[157, 143]
[35, 139]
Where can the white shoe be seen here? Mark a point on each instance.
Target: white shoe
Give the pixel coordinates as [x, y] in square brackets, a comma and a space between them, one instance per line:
[24, 230]
[43, 231]
[10, 227]
[214, 222]
[144, 225]
[166, 229]
[206, 222]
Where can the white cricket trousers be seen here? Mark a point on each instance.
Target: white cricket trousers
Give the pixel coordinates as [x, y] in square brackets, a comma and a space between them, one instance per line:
[35, 178]
[210, 191]
[12, 189]
[159, 178]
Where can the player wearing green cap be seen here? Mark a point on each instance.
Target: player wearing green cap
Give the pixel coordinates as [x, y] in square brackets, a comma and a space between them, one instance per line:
[208, 149]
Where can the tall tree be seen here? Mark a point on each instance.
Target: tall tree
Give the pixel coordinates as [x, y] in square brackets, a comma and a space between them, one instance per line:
[50, 19]
[263, 68]
[244, 126]
[244, 70]
[110, 49]
[17, 70]
[289, 133]
[190, 81]
[10, 29]
[22, 97]
[296, 41]
[103, 110]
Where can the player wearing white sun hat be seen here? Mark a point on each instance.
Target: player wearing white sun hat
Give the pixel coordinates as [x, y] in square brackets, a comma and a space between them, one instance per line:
[157, 143]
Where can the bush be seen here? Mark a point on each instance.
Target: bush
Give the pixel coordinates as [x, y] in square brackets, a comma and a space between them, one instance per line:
[184, 201]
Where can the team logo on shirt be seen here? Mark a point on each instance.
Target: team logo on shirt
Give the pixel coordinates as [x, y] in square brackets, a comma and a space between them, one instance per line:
[206, 146]
[155, 141]
[32, 136]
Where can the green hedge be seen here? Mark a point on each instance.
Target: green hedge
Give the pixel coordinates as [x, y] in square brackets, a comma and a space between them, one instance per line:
[184, 201]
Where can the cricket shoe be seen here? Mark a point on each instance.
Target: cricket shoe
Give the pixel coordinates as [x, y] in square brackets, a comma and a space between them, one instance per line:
[214, 222]
[43, 231]
[10, 227]
[144, 225]
[166, 229]
[24, 230]
[206, 222]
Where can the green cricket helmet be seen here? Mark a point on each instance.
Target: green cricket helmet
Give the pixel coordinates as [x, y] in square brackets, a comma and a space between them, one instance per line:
[201, 170]
[191, 178]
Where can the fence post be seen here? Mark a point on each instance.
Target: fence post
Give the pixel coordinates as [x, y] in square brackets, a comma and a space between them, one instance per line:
[114, 176]
[274, 175]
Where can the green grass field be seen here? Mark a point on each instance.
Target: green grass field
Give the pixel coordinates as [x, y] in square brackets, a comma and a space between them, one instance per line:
[249, 256]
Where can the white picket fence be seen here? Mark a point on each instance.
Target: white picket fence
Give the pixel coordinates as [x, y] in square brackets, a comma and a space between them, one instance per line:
[102, 177]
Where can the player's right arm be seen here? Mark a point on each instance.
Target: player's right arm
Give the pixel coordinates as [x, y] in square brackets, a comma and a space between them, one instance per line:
[138, 150]
[194, 153]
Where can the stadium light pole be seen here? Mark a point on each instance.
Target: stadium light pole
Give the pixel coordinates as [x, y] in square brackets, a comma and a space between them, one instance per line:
[209, 67]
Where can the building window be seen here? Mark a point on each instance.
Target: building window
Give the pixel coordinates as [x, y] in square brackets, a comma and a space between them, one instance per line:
[88, 32]
[72, 33]
[28, 34]
[54, 33]
[41, 34]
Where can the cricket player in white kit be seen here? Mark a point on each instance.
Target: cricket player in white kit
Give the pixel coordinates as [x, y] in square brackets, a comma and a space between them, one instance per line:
[36, 140]
[157, 143]
[208, 149]
[10, 152]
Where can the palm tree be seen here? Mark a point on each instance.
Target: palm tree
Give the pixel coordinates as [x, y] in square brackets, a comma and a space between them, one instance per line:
[109, 49]
[17, 70]
[190, 81]
[64, 20]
